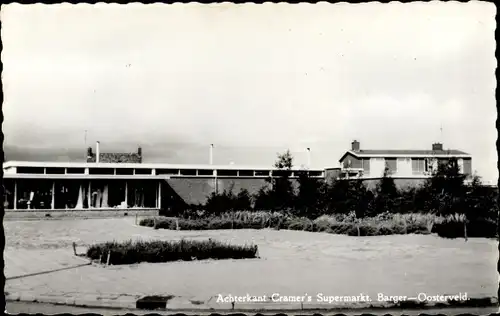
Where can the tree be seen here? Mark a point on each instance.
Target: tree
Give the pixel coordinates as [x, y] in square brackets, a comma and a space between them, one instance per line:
[310, 197]
[444, 192]
[281, 193]
[480, 201]
[347, 195]
[243, 201]
[386, 195]
[263, 200]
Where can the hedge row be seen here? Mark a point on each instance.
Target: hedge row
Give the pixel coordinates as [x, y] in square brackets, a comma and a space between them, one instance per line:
[384, 224]
[164, 251]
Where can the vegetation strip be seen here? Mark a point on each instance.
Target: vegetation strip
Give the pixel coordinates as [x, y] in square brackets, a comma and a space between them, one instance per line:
[347, 224]
[131, 252]
[449, 203]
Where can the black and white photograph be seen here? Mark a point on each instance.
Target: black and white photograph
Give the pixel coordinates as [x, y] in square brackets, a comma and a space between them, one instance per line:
[250, 158]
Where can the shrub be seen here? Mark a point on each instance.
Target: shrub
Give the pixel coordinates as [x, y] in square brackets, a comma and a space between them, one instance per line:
[300, 223]
[454, 227]
[163, 251]
[148, 222]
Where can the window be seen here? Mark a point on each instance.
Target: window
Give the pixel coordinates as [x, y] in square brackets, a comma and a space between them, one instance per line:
[188, 172]
[55, 170]
[143, 171]
[75, 170]
[418, 165]
[365, 164]
[246, 173]
[262, 173]
[205, 172]
[227, 173]
[124, 171]
[167, 171]
[101, 171]
[34, 170]
[391, 164]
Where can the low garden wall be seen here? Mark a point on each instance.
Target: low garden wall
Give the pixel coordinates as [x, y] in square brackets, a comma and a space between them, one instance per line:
[60, 214]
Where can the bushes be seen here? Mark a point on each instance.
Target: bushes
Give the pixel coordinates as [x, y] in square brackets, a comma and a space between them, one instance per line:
[164, 251]
[456, 226]
[345, 224]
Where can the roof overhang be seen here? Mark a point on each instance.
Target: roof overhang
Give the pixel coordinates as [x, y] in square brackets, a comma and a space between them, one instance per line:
[84, 176]
[10, 164]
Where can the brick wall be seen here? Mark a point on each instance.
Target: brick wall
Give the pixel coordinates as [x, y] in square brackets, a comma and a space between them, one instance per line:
[400, 183]
[61, 214]
[197, 190]
[117, 158]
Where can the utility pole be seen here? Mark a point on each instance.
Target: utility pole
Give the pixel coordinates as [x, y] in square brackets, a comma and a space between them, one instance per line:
[85, 151]
[308, 158]
[441, 136]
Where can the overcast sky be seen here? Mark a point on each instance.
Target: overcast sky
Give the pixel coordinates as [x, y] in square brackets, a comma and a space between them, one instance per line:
[252, 79]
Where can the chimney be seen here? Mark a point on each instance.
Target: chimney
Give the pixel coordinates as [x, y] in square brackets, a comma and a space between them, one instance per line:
[211, 153]
[355, 145]
[308, 157]
[97, 152]
[437, 147]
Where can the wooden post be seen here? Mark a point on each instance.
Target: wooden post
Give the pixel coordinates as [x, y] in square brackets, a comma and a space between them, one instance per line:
[52, 203]
[135, 218]
[74, 248]
[109, 257]
[15, 194]
[177, 224]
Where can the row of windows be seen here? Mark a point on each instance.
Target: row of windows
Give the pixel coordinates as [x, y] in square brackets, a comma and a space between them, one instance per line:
[418, 165]
[146, 171]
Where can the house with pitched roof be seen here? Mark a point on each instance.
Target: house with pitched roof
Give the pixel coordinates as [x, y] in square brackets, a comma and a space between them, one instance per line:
[410, 165]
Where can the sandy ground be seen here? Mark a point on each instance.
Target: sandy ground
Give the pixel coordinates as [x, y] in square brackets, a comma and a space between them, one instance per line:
[291, 263]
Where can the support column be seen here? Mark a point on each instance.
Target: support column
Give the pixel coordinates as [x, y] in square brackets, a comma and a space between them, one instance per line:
[159, 195]
[52, 203]
[216, 184]
[126, 193]
[89, 196]
[15, 194]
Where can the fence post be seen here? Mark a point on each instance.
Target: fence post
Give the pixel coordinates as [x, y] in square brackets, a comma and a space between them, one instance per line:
[109, 257]
[74, 248]
[136, 219]
[177, 224]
